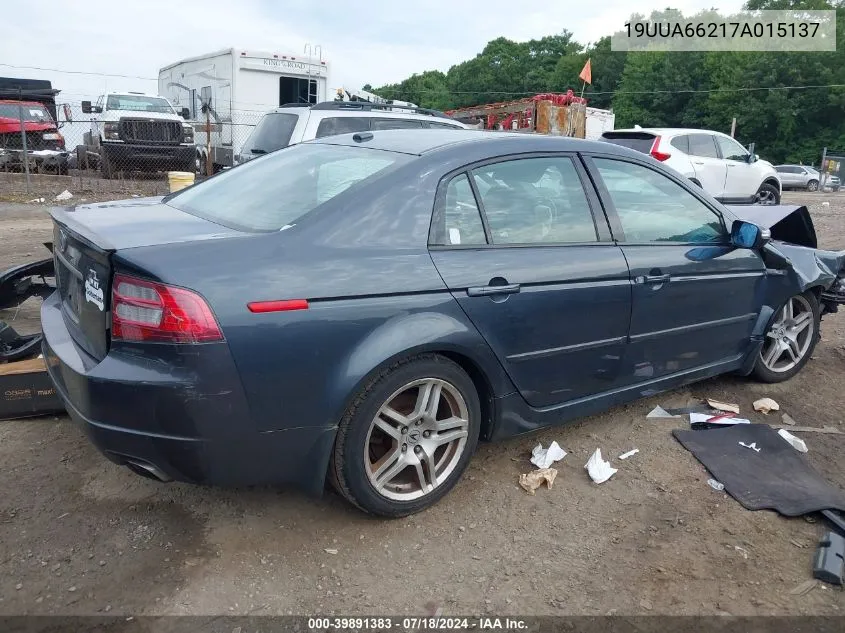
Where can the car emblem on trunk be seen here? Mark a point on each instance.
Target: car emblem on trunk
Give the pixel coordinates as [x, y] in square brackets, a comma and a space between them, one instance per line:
[93, 292]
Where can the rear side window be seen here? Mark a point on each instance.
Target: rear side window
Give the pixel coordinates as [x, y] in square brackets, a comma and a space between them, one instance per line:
[702, 145]
[274, 191]
[535, 200]
[331, 126]
[395, 124]
[640, 141]
[272, 132]
[681, 143]
[462, 218]
[653, 208]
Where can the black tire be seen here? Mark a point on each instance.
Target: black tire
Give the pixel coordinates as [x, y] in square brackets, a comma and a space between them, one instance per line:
[763, 373]
[767, 192]
[106, 166]
[347, 470]
[813, 185]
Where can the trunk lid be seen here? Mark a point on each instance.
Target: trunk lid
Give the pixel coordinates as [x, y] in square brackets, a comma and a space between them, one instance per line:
[84, 240]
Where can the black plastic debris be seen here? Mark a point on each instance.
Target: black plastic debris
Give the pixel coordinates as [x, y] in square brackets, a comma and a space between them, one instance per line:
[14, 347]
[19, 283]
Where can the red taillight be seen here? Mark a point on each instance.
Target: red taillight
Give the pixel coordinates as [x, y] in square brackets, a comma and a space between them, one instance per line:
[148, 311]
[661, 156]
[283, 305]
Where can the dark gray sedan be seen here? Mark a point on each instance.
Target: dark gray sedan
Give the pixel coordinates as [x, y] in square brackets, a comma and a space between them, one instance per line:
[369, 307]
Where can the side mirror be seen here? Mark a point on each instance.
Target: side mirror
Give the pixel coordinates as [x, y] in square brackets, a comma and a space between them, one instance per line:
[748, 235]
[86, 107]
[185, 113]
[753, 158]
[68, 112]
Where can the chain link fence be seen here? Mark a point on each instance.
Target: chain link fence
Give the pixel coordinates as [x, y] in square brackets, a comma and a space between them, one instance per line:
[105, 154]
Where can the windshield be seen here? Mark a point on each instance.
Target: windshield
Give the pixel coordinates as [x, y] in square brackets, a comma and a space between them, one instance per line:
[272, 132]
[138, 102]
[273, 191]
[31, 112]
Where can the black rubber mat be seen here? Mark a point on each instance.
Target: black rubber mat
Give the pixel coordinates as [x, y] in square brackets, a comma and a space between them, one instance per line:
[777, 477]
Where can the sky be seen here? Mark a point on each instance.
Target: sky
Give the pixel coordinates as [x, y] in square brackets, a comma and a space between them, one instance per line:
[376, 42]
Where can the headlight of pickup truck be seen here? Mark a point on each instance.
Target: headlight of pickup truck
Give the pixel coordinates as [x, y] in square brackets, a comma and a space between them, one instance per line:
[187, 133]
[110, 130]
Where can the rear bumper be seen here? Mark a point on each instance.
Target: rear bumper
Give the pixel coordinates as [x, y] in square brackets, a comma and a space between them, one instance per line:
[188, 421]
[177, 157]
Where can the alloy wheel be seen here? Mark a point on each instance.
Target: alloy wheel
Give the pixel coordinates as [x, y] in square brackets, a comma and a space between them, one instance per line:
[416, 439]
[765, 197]
[789, 338]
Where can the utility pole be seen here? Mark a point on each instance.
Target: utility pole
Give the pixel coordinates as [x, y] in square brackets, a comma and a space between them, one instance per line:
[208, 162]
[822, 172]
[733, 128]
[23, 140]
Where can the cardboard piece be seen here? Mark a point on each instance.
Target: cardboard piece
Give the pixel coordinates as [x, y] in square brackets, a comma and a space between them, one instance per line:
[26, 390]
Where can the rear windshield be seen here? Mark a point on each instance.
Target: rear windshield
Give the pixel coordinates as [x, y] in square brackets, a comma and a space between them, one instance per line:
[640, 141]
[31, 112]
[274, 191]
[272, 132]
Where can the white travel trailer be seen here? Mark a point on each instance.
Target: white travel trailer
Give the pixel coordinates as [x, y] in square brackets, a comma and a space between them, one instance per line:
[239, 86]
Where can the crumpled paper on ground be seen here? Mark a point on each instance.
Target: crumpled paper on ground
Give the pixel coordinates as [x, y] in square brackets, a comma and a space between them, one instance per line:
[598, 469]
[545, 457]
[764, 405]
[533, 480]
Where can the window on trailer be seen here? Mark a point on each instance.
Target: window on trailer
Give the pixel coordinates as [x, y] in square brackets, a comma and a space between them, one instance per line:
[297, 90]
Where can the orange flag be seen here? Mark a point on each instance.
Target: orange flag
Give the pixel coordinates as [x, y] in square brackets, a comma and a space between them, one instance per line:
[586, 74]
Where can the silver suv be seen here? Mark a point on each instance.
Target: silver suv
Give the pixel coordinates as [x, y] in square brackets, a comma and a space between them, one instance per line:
[293, 124]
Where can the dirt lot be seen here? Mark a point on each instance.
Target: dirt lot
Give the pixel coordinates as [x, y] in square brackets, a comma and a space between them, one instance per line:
[79, 535]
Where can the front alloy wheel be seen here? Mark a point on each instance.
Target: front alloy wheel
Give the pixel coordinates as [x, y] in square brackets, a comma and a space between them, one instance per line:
[407, 437]
[790, 340]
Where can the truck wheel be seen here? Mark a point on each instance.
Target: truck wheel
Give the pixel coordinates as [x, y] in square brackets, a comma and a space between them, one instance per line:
[106, 166]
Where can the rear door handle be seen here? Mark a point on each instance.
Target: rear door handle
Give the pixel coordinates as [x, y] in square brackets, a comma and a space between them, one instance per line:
[697, 162]
[488, 291]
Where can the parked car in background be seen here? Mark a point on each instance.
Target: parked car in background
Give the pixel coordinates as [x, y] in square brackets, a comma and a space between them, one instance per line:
[354, 308]
[832, 182]
[799, 177]
[294, 124]
[712, 160]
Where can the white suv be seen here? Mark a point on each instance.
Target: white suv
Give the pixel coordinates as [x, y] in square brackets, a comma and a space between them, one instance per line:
[292, 124]
[712, 160]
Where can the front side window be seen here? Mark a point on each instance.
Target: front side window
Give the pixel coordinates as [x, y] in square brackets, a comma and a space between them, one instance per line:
[273, 191]
[654, 208]
[731, 150]
[702, 145]
[330, 126]
[535, 200]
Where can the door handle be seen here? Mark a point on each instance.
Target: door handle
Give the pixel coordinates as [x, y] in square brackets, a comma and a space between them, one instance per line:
[698, 162]
[654, 279]
[488, 291]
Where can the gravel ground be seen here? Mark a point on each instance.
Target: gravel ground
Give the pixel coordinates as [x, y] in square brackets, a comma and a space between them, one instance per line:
[79, 535]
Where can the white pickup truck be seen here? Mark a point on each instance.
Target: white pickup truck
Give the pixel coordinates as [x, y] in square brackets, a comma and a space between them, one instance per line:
[135, 131]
